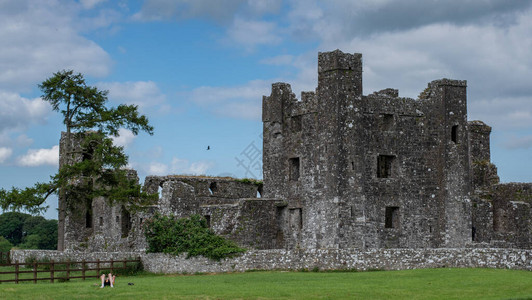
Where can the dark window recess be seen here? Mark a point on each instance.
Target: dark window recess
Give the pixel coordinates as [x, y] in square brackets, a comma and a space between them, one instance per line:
[352, 166]
[454, 133]
[213, 188]
[296, 218]
[117, 219]
[208, 219]
[391, 217]
[384, 166]
[296, 123]
[101, 221]
[259, 191]
[385, 122]
[88, 214]
[294, 168]
[126, 222]
[88, 218]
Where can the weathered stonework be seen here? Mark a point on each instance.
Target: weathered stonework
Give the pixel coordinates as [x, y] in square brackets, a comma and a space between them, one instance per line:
[343, 170]
[309, 259]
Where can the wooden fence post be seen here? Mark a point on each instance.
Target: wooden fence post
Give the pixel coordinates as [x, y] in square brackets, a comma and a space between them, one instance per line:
[98, 266]
[52, 271]
[35, 271]
[83, 269]
[68, 269]
[16, 271]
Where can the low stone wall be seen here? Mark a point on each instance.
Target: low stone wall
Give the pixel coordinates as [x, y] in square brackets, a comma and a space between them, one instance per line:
[22, 255]
[324, 259]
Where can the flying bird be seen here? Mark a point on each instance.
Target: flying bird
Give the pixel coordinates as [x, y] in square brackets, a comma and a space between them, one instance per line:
[208, 147]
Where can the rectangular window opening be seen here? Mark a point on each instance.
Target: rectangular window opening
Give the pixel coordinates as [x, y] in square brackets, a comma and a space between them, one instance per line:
[384, 166]
[385, 122]
[294, 168]
[296, 123]
[454, 133]
[391, 217]
[208, 219]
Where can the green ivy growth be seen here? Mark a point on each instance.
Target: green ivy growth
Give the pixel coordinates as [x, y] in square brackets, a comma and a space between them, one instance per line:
[187, 235]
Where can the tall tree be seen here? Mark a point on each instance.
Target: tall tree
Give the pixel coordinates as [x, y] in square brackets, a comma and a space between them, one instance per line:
[90, 165]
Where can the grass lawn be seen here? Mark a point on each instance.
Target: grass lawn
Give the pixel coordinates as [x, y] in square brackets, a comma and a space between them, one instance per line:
[410, 284]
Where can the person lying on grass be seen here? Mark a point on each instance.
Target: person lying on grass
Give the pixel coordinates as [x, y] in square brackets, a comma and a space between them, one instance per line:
[110, 280]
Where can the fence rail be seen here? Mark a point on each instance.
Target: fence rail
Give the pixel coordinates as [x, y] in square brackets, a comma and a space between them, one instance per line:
[67, 267]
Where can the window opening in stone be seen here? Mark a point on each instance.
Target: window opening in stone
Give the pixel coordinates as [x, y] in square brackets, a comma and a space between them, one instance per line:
[454, 133]
[88, 214]
[126, 222]
[117, 219]
[385, 122]
[352, 166]
[384, 166]
[160, 191]
[391, 217]
[88, 219]
[208, 219]
[213, 188]
[101, 221]
[279, 216]
[296, 123]
[259, 191]
[473, 233]
[294, 169]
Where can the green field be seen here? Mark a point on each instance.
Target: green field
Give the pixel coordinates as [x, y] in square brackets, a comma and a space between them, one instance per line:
[410, 284]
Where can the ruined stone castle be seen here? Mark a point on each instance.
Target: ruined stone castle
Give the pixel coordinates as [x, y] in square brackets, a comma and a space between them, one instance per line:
[342, 170]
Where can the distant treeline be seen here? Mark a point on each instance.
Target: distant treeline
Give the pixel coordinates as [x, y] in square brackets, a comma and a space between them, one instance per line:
[27, 232]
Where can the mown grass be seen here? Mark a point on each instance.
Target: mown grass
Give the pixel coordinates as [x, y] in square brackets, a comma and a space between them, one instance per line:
[409, 284]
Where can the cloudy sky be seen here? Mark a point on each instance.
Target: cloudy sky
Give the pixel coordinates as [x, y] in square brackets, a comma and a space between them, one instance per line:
[198, 70]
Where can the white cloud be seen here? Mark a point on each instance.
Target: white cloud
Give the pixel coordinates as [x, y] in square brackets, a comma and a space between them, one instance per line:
[241, 102]
[220, 11]
[17, 112]
[89, 4]
[5, 153]
[179, 166]
[183, 166]
[524, 142]
[156, 168]
[141, 93]
[125, 138]
[264, 6]
[250, 33]
[41, 37]
[278, 60]
[40, 157]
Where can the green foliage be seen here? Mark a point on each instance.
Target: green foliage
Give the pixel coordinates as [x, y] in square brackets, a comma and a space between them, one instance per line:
[86, 117]
[5, 245]
[250, 180]
[187, 235]
[28, 232]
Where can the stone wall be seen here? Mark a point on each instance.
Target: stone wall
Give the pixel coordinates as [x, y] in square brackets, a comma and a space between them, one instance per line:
[22, 255]
[323, 259]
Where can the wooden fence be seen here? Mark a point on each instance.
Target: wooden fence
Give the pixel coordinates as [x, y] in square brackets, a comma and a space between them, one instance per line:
[67, 267]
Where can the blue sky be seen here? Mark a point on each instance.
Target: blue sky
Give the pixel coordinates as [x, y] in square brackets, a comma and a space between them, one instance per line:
[198, 69]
